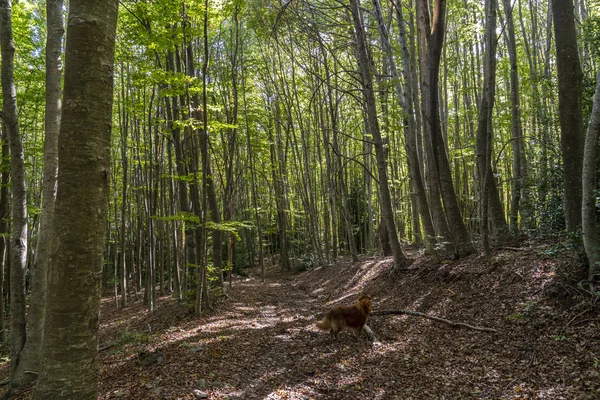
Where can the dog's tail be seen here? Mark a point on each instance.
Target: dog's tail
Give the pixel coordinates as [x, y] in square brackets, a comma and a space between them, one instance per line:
[324, 325]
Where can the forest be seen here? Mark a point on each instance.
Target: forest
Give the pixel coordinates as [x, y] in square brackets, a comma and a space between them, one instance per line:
[189, 189]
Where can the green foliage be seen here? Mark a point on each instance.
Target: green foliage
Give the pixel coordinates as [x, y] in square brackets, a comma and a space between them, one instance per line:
[590, 35]
[134, 338]
[573, 244]
[229, 227]
[560, 338]
[307, 261]
[186, 217]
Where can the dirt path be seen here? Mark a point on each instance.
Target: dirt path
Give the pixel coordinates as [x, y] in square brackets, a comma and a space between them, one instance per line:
[260, 344]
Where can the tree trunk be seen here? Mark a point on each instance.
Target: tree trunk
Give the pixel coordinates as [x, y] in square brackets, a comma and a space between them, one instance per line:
[490, 200]
[443, 235]
[367, 86]
[208, 188]
[516, 127]
[591, 238]
[410, 133]
[435, 42]
[4, 229]
[70, 350]
[28, 365]
[18, 250]
[125, 163]
[181, 168]
[259, 231]
[570, 84]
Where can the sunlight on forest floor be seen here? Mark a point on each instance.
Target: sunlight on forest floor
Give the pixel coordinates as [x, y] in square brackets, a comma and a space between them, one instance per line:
[262, 343]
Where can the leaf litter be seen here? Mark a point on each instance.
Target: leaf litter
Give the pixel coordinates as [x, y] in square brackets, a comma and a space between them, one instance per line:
[260, 341]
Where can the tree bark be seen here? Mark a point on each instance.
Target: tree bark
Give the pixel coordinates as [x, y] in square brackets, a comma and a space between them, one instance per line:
[259, 231]
[591, 238]
[367, 86]
[435, 41]
[124, 126]
[410, 132]
[18, 242]
[443, 235]
[28, 366]
[516, 126]
[69, 368]
[490, 201]
[4, 228]
[570, 85]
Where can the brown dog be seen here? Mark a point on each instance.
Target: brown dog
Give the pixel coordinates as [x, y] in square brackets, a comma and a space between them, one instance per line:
[350, 317]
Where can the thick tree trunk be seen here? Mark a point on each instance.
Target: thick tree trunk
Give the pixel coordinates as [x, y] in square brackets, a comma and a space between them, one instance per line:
[367, 85]
[18, 241]
[70, 350]
[443, 235]
[461, 238]
[591, 238]
[28, 365]
[570, 84]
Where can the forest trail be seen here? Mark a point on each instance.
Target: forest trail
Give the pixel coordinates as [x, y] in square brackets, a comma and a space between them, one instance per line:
[260, 342]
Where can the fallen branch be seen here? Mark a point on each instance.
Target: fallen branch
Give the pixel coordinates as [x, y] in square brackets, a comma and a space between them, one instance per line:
[370, 334]
[438, 319]
[105, 346]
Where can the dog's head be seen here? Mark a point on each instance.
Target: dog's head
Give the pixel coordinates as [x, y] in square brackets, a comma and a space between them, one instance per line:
[365, 302]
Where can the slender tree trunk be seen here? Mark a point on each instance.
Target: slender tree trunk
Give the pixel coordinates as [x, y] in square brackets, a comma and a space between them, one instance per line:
[279, 173]
[367, 85]
[570, 85]
[252, 177]
[4, 228]
[150, 205]
[591, 238]
[410, 133]
[176, 272]
[208, 190]
[484, 128]
[208, 184]
[70, 349]
[516, 126]
[491, 204]
[182, 170]
[18, 252]
[125, 164]
[230, 143]
[29, 359]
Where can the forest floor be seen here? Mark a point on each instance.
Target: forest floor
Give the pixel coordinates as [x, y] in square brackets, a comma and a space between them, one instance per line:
[260, 341]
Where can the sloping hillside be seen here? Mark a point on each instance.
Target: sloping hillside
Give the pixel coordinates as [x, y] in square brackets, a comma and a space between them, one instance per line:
[261, 342]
